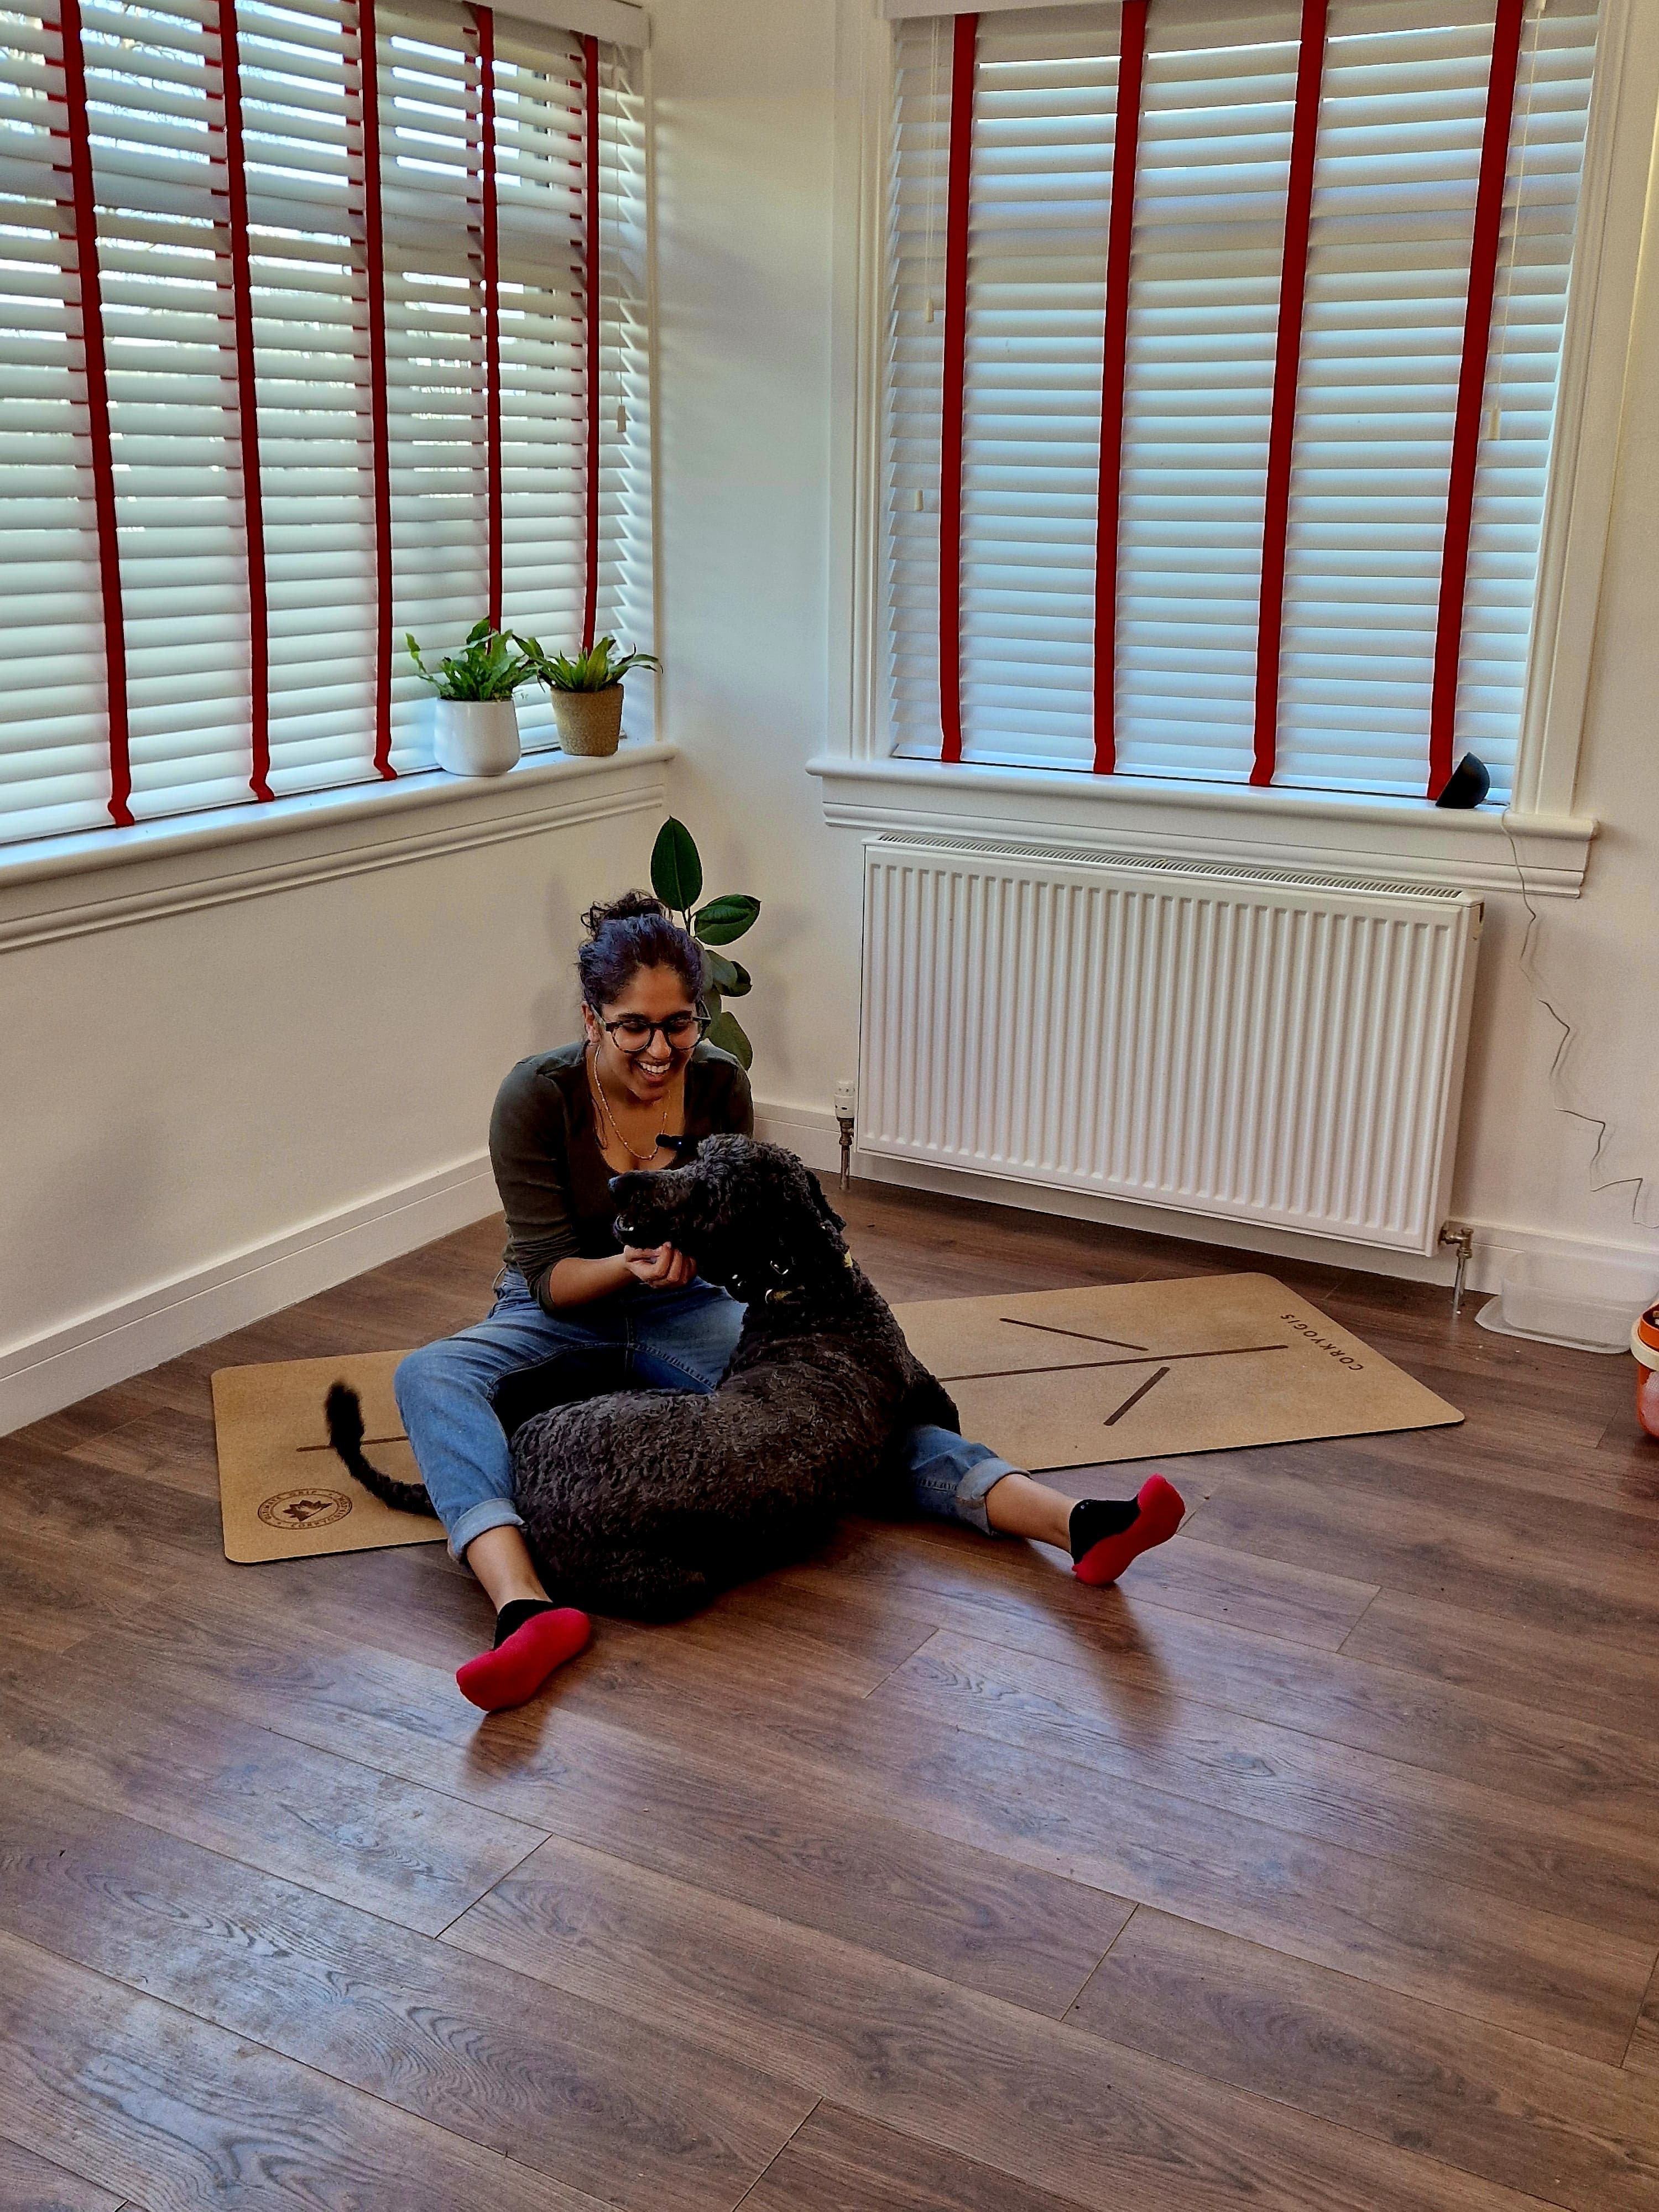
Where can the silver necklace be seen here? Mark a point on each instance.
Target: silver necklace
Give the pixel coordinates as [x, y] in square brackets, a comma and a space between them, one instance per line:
[639, 1159]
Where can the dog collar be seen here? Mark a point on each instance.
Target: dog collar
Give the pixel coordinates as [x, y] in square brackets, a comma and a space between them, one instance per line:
[788, 1298]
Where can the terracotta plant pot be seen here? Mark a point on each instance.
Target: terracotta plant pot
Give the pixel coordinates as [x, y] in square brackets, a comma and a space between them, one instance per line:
[1644, 1343]
[590, 722]
[475, 737]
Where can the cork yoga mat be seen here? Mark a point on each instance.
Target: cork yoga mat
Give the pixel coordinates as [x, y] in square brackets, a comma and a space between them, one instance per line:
[1141, 1371]
[283, 1492]
[1047, 1378]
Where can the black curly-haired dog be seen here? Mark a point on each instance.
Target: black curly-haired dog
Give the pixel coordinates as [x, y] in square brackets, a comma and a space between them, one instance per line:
[647, 1503]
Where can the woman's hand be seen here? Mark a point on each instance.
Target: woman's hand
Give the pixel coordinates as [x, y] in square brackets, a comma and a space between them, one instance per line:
[661, 1269]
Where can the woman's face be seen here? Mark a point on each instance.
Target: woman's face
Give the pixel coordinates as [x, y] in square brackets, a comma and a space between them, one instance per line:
[652, 995]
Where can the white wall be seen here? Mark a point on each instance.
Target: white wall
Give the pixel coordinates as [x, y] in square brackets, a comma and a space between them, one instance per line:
[744, 96]
[213, 1112]
[745, 105]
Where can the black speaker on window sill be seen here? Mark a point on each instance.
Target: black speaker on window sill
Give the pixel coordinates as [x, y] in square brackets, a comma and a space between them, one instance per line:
[1467, 784]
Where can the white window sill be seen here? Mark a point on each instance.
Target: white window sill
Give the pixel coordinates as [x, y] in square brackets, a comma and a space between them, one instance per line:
[99, 879]
[1123, 818]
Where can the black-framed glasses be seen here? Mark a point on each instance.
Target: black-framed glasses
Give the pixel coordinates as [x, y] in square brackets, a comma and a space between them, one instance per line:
[631, 1034]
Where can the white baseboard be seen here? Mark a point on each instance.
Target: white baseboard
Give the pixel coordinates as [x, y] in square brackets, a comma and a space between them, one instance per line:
[812, 1132]
[69, 1363]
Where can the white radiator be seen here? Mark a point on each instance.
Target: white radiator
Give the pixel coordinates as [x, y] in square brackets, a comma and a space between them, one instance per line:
[1284, 1050]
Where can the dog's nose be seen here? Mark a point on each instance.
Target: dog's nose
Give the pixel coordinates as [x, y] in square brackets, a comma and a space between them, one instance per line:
[615, 1185]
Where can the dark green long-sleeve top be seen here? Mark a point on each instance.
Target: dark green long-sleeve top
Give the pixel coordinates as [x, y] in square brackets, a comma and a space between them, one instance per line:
[553, 1181]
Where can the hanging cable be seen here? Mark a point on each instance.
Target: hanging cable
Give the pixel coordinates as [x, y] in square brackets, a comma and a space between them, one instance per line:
[1569, 1030]
[1525, 959]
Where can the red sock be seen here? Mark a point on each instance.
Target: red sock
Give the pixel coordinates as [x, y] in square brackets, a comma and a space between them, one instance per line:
[519, 1667]
[1161, 1509]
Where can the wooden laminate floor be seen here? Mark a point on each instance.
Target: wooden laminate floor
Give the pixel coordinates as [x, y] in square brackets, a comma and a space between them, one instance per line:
[1317, 1866]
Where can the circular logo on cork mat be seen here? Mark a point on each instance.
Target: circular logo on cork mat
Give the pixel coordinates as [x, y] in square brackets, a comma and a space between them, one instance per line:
[293, 1509]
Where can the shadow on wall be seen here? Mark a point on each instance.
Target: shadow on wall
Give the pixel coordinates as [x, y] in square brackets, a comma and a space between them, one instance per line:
[116, 1189]
[555, 1008]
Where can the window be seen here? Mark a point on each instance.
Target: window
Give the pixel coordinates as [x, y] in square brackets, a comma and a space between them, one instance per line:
[297, 357]
[1215, 331]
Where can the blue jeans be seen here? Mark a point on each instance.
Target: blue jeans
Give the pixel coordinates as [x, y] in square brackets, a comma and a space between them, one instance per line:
[642, 1340]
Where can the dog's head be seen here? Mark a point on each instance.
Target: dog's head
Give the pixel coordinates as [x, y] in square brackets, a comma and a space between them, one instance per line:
[752, 1216]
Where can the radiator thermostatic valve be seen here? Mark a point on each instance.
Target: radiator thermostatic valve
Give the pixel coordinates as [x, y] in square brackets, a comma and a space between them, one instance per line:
[845, 1105]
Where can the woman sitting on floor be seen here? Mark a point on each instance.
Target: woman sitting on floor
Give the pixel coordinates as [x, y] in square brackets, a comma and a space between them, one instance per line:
[641, 1088]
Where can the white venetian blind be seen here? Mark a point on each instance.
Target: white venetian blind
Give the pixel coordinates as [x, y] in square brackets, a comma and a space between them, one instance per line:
[627, 607]
[150, 87]
[1397, 167]
[54, 750]
[1387, 271]
[1215, 148]
[302, 122]
[156, 79]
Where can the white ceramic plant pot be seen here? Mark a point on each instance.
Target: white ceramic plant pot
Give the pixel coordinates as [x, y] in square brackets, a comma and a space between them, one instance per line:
[590, 722]
[475, 737]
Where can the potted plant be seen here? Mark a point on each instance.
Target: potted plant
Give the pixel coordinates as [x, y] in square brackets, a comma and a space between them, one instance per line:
[677, 879]
[587, 692]
[475, 728]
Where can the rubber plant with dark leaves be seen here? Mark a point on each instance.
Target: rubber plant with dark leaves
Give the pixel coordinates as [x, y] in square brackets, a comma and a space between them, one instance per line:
[677, 879]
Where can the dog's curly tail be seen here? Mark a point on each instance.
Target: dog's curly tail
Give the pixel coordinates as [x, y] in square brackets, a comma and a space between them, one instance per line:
[342, 1409]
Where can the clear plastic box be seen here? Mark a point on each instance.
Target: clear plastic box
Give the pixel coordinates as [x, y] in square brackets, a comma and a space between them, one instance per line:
[1587, 1302]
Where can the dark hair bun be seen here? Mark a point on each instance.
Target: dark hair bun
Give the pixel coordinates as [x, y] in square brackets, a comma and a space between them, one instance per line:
[632, 906]
[628, 934]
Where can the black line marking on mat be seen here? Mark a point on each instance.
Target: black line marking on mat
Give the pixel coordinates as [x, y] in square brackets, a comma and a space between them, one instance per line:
[1134, 1398]
[400, 1438]
[1082, 1336]
[1083, 1366]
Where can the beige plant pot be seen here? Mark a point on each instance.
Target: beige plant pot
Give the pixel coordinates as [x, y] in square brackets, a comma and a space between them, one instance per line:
[590, 722]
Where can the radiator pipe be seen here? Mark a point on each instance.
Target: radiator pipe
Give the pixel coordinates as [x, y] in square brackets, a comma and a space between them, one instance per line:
[844, 1123]
[1461, 1237]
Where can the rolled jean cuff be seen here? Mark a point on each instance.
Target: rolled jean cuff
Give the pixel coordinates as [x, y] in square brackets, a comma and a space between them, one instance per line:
[488, 1513]
[976, 1486]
